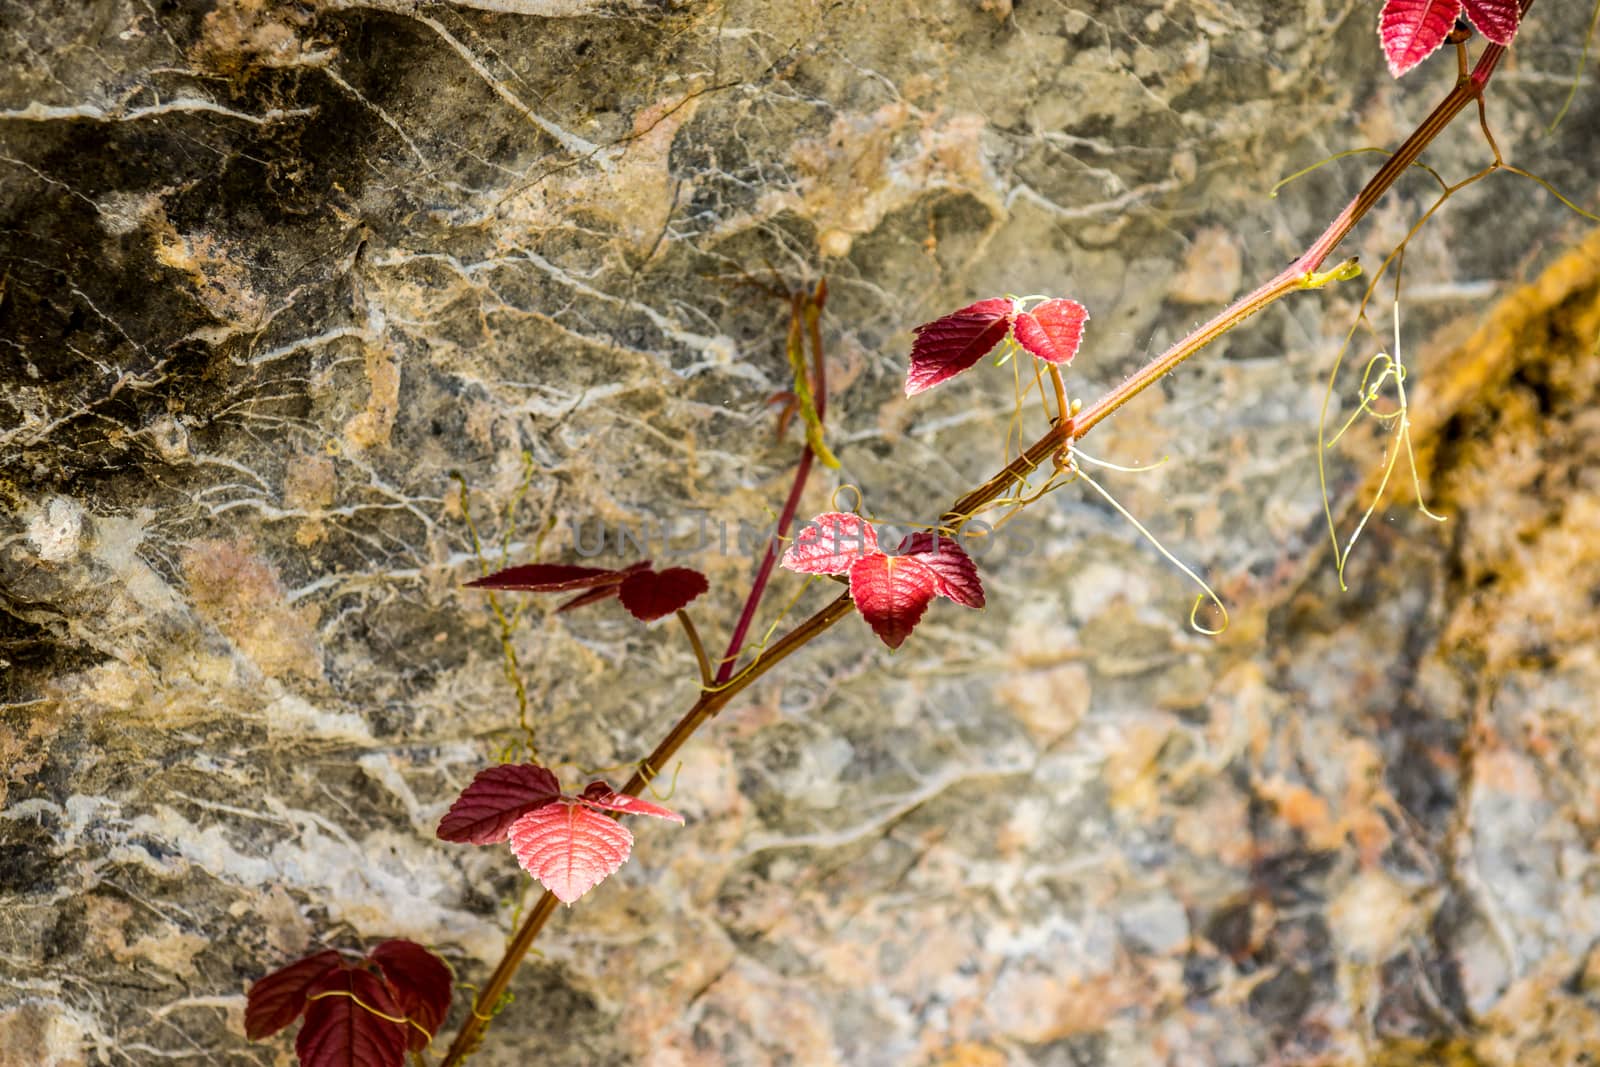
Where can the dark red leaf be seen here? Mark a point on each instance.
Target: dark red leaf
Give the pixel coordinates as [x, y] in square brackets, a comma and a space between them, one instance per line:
[650, 595]
[352, 1021]
[592, 596]
[955, 573]
[830, 543]
[498, 797]
[421, 984]
[569, 847]
[946, 347]
[553, 577]
[1053, 330]
[1411, 30]
[1495, 19]
[891, 593]
[600, 795]
[277, 999]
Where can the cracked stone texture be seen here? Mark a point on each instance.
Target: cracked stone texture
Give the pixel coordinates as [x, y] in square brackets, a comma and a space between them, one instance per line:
[275, 273]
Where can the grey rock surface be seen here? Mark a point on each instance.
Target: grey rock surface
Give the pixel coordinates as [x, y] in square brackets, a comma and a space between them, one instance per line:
[276, 275]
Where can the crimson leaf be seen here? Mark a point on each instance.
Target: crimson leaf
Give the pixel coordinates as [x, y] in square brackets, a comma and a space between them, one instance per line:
[591, 596]
[892, 592]
[650, 595]
[946, 347]
[1053, 330]
[569, 848]
[1495, 19]
[352, 1022]
[277, 999]
[600, 795]
[830, 543]
[955, 575]
[421, 984]
[553, 577]
[606, 591]
[1412, 30]
[498, 797]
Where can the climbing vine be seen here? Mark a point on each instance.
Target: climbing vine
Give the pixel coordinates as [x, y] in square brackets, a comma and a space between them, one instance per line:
[375, 1009]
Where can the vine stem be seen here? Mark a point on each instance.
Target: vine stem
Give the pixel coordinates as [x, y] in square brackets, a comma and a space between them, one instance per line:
[809, 309]
[1295, 277]
[699, 647]
[711, 701]
[805, 319]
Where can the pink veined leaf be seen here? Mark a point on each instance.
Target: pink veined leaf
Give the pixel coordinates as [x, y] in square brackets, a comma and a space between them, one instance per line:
[649, 595]
[955, 574]
[553, 577]
[892, 592]
[421, 984]
[346, 1024]
[1052, 331]
[570, 848]
[1412, 30]
[830, 543]
[1495, 19]
[946, 347]
[600, 795]
[277, 999]
[497, 797]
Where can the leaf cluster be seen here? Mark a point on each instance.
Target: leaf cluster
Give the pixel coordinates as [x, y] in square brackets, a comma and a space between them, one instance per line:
[366, 1011]
[1412, 30]
[567, 842]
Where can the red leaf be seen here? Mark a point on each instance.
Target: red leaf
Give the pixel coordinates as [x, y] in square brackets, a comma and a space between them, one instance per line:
[1053, 330]
[345, 1024]
[1412, 30]
[553, 577]
[569, 848]
[498, 797]
[592, 596]
[421, 984]
[946, 347]
[277, 999]
[956, 576]
[600, 795]
[650, 595]
[830, 543]
[892, 592]
[1495, 19]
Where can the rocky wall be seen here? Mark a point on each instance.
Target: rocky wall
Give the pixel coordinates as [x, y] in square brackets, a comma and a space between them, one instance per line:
[279, 279]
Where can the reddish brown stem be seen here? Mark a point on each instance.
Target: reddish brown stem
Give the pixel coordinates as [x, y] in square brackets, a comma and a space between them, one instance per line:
[806, 313]
[809, 309]
[1465, 91]
[1287, 281]
[741, 630]
[711, 701]
[1062, 433]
